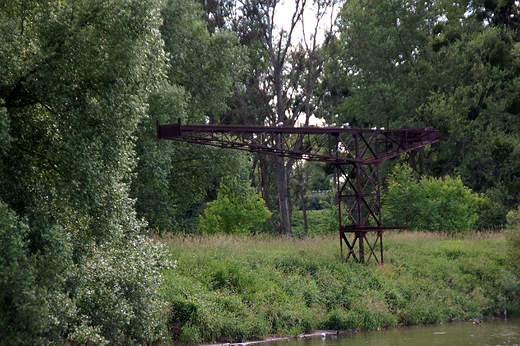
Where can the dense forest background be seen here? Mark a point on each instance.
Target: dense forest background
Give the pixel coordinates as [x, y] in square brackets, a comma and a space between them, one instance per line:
[84, 181]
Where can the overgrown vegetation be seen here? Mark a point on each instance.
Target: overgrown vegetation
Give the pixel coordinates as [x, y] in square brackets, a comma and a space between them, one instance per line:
[75, 263]
[84, 181]
[428, 203]
[320, 222]
[109, 296]
[513, 237]
[236, 288]
[237, 209]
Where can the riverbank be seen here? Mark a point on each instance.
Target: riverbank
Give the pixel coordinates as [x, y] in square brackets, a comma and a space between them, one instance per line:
[238, 288]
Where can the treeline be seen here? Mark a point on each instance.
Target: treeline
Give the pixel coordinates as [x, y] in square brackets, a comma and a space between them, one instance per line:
[83, 178]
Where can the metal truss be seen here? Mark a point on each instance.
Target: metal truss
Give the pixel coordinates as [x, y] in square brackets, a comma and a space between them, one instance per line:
[334, 145]
[356, 153]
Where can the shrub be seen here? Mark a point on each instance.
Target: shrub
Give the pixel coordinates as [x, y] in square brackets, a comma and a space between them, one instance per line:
[513, 247]
[319, 222]
[513, 219]
[117, 291]
[190, 335]
[237, 209]
[513, 237]
[492, 212]
[317, 201]
[340, 319]
[34, 307]
[432, 204]
[111, 295]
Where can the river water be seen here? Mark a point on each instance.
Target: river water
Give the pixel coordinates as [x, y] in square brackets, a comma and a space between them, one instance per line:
[488, 333]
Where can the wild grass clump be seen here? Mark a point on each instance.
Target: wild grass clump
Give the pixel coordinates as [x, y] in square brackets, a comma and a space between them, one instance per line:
[236, 288]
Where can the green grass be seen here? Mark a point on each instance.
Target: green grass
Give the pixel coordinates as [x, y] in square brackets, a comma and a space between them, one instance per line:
[236, 288]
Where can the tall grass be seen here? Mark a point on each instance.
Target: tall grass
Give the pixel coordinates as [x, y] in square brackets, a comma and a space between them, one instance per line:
[235, 288]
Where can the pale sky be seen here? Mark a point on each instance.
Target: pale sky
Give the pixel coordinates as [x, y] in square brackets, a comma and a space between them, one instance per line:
[283, 17]
[285, 11]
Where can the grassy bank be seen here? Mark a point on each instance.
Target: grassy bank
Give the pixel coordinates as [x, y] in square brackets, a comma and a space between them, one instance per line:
[234, 288]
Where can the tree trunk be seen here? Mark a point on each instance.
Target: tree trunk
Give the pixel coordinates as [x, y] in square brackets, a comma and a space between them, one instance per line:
[283, 197]
[301, 177]
[304, 210]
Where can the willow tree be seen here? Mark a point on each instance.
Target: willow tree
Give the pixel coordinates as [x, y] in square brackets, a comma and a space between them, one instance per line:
[74, 81]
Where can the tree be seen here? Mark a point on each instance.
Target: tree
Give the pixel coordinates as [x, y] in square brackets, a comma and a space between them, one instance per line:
[175, 180]
[206, 65]
[31, 283]
[237, 209]
[476, 113]
[280, 84]
[73, 96]
[75, 79]
[430, 64]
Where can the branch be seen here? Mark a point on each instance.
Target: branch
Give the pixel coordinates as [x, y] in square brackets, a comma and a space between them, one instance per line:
[466, 144]
[313, 77]
[51, 163]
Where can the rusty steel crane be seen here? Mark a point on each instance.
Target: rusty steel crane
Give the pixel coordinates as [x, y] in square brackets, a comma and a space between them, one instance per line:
[356, 154]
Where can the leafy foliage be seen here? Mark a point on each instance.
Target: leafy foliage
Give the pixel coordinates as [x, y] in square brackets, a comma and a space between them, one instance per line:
[82, 175]
[117, 292]
[237, 209]
[320, 221]
[513, 244]
[32, 284]
[111, 296]
[175, 180]
[200, 61]
[73, 96]
[452, 66]
[75, 83]
[152, 185]
[431, 204]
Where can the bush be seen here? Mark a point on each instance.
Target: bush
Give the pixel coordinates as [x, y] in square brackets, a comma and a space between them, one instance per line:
[111, 295]
[513, 219]
[117, 292]
[34, 307]
[492, 212]
[319, 222]
[317, 201]
[341, 319]
[237, 209]
[431, 204]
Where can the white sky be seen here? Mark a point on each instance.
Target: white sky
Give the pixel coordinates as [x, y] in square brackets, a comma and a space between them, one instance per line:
[283, 17]
[285, 10]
